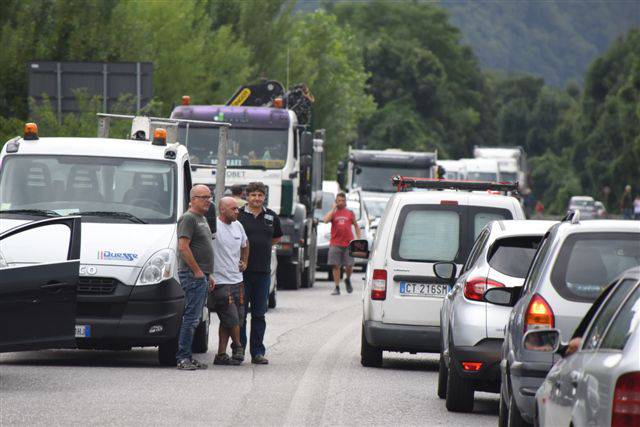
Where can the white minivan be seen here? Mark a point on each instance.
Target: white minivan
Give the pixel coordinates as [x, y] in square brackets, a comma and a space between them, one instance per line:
[402, 295]
[129, 194]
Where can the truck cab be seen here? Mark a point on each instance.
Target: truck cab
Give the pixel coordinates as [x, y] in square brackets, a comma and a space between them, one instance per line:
[129, 194]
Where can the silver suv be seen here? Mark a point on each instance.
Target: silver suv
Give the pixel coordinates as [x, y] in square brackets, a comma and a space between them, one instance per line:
[575, 261]
[472, 330]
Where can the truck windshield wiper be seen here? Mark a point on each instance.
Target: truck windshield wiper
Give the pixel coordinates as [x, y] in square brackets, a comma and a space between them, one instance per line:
[123, 215]
[38, 212]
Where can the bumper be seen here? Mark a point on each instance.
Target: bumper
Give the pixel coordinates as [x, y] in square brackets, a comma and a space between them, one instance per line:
[526, 378]
[123, 318]
[487, 351]
[423, 339]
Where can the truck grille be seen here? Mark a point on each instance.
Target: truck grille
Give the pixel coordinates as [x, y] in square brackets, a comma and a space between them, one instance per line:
[97, 285]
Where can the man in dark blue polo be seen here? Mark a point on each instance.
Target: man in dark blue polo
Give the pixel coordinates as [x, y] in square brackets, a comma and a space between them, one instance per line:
[262, 226]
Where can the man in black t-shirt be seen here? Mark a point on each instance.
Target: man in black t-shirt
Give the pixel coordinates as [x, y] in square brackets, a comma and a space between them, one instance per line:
[263, 230]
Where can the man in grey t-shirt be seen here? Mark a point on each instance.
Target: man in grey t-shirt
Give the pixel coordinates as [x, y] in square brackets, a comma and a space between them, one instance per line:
[196, 266]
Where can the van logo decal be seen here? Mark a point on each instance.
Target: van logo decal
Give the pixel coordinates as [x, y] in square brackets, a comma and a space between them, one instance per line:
[117, 256]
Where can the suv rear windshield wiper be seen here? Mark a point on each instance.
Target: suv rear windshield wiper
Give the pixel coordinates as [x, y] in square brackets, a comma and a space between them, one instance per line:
[123, 215]
[38, 212]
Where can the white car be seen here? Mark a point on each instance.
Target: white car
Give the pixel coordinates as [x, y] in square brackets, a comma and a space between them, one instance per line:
[402, 297]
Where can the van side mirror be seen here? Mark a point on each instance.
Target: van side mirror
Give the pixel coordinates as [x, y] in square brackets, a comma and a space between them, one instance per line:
[542, 340]
[506, 297]
[445, 270]
[306, 144]
[359, 248]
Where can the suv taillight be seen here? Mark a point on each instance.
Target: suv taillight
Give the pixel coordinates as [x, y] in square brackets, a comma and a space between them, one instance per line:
[626, 401]
[538, 315]
[379, 285]
[474, 288]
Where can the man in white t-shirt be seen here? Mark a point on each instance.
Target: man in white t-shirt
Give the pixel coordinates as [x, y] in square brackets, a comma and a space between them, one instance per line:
[230, 255]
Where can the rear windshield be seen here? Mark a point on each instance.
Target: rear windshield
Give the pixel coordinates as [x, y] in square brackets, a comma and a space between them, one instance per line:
[588, 261]
[513, 255]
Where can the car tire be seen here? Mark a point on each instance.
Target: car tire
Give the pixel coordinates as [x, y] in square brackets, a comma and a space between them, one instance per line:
[167, 352]
[201, 338]
[370, 356]
[460, 392]
[442, 377]
[515, 418]
[272, 300]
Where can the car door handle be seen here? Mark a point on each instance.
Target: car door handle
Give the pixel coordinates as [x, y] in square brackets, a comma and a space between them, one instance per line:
[54, 286]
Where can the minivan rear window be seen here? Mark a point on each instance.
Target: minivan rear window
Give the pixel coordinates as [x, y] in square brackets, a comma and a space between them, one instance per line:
[588, 261]
[513, 255]
[429, 235]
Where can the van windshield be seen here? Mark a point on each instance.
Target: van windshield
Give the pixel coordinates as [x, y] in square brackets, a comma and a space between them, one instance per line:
[67, 185]
[482, 176]
[378, 178]
[587, 262]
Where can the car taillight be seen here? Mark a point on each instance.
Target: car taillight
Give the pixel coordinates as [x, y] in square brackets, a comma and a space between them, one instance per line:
[475, 287]
[626, 401]
[539, 314]
[379, 285]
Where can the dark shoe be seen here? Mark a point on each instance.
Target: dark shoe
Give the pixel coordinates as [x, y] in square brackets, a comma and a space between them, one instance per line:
[260, 360]
[186, 365]
[238, 353]
[347, 282]
[336, 291]
[224, 359]
[198, 365]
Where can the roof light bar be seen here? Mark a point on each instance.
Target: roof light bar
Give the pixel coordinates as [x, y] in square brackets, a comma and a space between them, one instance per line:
[404, 183]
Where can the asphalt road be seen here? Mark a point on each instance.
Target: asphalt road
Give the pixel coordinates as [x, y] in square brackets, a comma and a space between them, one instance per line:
[314, 378]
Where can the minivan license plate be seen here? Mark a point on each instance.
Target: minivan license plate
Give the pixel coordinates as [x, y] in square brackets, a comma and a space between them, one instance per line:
[83, 331]
[423, 289]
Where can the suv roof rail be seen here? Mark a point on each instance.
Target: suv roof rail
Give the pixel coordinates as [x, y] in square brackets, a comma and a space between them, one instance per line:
[404, 183]
[572, 217]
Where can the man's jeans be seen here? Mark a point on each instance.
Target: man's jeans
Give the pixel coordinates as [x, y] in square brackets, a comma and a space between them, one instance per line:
[195, 296]
[256, 297]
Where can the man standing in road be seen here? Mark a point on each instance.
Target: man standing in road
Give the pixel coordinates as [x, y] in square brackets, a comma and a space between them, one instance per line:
[231, 250]
[194, 271]
[341, 219]
[262, 226]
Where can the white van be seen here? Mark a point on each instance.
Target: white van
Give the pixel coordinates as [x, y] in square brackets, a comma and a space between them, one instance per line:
[402, 296]
[129, 194]
[480, 169]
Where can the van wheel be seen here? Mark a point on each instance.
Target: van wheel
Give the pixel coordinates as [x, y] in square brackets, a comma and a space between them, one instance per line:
[201, 338]
[515, 417]
[369, 356]
[167, 352]
[442, 378]
[459, 391]
[272, 299]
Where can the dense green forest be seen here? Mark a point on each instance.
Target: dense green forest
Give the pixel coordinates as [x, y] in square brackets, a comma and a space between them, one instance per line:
[384, 74]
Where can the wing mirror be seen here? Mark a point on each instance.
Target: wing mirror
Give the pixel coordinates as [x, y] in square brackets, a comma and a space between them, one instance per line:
[359, 248]
[506, 297]
[542, 340]
[445, 270]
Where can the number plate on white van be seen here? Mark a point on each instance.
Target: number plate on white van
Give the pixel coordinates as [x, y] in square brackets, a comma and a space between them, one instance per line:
[83, 331]
[423, 289]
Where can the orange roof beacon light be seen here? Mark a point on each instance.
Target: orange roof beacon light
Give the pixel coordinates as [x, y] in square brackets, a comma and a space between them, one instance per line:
[186, 100]
[278, 103]
[160, 137]
[30, 132]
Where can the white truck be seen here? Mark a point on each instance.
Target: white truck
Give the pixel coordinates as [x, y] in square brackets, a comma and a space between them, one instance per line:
[269, 141]
[512, 162]
[129, 194]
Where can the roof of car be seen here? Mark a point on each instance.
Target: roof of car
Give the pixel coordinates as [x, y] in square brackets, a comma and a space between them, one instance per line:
[578, 198]
[104, 147]
[599, 225]
[522, 227]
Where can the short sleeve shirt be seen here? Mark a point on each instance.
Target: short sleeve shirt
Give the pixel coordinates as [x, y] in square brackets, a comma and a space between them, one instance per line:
[260, 230]
[341, 227]
[230, 238]
[195, 228]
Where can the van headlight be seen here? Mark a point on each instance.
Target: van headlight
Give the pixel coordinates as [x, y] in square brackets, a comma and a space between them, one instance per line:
[159, 267]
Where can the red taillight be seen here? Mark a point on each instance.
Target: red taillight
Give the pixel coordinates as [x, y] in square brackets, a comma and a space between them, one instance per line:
[626, 401]
[539, 314]
[449, 202]
[474, 288]
[471, 366]
[379, 285]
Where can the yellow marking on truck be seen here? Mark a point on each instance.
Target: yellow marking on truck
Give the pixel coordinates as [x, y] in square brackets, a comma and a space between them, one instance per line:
[242, 96]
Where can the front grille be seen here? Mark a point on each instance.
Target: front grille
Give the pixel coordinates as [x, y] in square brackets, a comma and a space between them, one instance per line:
[97, 285]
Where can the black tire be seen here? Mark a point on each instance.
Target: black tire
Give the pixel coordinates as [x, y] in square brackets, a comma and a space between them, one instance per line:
[442, 377]
[459, 391]
[201, 338]
[370, 356]
[167, 352]
[515, 418]
[272, 299]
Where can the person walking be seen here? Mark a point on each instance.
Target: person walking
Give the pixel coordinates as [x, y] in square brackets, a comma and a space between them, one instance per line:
[342, 220]
[231, 250]
[626, 203]
[194, 271]
[263, 229]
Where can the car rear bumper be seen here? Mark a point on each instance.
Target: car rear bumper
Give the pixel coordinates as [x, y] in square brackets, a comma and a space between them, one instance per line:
[131, 316]
[411, 338]
[489, 353]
